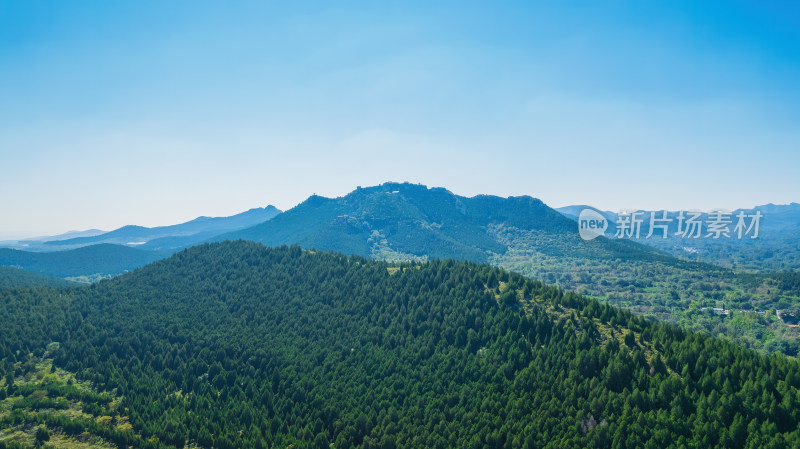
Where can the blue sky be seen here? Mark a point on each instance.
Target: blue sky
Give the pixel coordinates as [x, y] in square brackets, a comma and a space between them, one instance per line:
[153, 113]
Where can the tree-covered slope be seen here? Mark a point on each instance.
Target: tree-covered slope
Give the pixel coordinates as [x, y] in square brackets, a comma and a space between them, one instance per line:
[102, 259]
[46, 407]
[236, 345]
[15, 277]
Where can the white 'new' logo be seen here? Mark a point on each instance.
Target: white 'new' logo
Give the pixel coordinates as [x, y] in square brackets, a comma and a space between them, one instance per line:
[591, 224]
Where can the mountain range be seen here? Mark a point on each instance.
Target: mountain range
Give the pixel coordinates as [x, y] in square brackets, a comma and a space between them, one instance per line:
[87, 256]
[38, 240]
[156, 238]
[412, 222]
[395, 221]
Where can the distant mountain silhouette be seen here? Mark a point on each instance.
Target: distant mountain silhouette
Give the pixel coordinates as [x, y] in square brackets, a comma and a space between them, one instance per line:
[157, 238]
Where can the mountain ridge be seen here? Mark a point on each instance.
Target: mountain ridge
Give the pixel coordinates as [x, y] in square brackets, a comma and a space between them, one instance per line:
[369, 220]
[201, 228]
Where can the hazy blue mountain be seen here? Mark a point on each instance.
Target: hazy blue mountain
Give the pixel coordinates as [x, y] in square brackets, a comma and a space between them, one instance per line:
[781, 217]
[176, 242]
[102, 259]
[87, 256]
[572, 212]
[67, 235]
[169, 237]
[35, 241]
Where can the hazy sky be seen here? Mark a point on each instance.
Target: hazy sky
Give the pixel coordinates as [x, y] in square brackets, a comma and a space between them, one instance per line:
[152, 113]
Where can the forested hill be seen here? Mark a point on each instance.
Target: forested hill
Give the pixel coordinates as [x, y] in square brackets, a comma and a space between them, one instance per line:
[103, 259]
[235, 345]
[15, 277]
[403, 221]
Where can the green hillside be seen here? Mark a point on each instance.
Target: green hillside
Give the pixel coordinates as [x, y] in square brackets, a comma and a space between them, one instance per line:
[404, 222]
[102, 259]
[44, 406]
[236, 345]
[15, 277]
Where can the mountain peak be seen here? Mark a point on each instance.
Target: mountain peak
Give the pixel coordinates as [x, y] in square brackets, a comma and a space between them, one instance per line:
[396, 187]
[402, 220]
